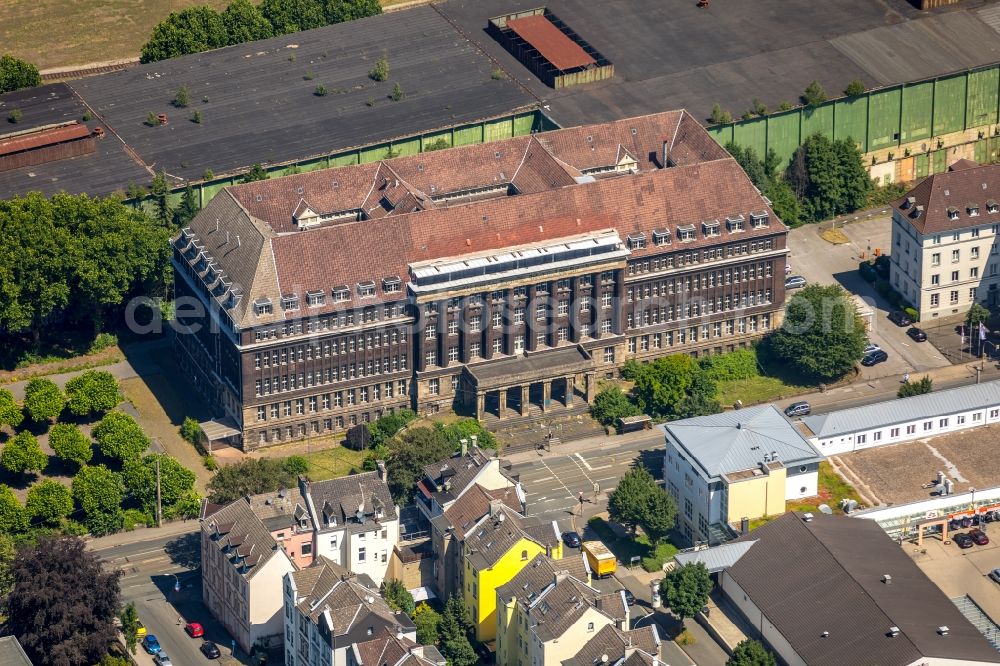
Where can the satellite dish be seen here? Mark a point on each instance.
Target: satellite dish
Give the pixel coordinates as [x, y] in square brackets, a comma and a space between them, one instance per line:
[823, 508]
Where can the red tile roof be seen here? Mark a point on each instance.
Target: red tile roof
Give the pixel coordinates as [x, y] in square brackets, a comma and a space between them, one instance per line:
[964, 187]
[33, 140]
[551, 42]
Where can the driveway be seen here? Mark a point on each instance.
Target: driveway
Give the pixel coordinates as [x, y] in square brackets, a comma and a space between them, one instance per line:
[822, 262]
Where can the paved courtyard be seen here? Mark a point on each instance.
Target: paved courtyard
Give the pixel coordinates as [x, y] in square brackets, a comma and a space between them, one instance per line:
[895, 474]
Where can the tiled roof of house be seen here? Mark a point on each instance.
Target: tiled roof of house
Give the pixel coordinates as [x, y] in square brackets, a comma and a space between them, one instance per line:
[820, 583]
[961, 197]
[447, 479]
[281, 509]
[11, 653]
[494, 535]
[341, 499]
[562, 604]
[614, 643]
[242, 536]
[540, 573]
[247, 230]
[474, 504]
[394, 650]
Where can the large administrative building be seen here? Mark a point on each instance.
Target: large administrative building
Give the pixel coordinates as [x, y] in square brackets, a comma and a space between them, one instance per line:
[499, 279]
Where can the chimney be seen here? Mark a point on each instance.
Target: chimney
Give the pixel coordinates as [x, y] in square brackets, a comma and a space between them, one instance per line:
[744, 525]
[465, 446]
[887, 579]
[666, 153]
[943, 630]
[893, 631]
[807, 517]
[399, 633]
[495, 505]
[383, 474]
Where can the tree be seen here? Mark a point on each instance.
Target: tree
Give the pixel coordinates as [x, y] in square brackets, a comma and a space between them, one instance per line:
[183, 97]
[784, 202]
[16, 74]
[191, 30]
[719, 116]
[855, 88]
[338, 11]
[92, 392]
[751, 653]
[191, 430]
[139, 475]
[822, 335]
[184, 213]
[638, 501]
[923, 385]
[466, 429]
[611, 404]
[661, 515]
[100, 493]
[10, 411]
[409, 453]
[43, 400]
[70, 444]
[380, 72]
[385, 427]
[13, 519]
[427, 621]
[256, 172]
[248, 477]
[63, 604]
[287, 16]
[397, 596]
[672, 387]
[814, 94]
[397, 92]
[685, 589]
[828, 177]
[245, 23]
[455, 629]
[977, 315]
[160, 190]
[119, 436]
[296, 465]
[48, 503]
[7, 554]
[130, 626]
[22, 454]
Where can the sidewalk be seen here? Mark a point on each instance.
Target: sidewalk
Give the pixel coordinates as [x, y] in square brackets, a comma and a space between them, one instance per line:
[175, 528]
[583, 445]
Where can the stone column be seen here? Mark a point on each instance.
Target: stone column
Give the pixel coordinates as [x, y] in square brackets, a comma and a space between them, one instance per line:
[574, 304]
[618, 303]
[524, 400]
[464, 338]
[442, 334]
[503, 402]
[488, 331]
[591, 387]
[569, 391]
[546, 395]
[480, 405]
[530, 324]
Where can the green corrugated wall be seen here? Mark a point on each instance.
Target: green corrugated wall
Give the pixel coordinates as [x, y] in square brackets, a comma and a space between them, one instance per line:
[851, 120]
[783, 135]
[883, 118]
[918, 111]
[949, 104]
[817, 120]
[752, 133]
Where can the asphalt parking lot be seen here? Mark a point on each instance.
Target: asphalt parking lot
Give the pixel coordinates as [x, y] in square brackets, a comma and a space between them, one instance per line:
[959, 571]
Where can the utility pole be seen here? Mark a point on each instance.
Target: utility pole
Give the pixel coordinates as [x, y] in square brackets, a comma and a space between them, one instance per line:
[159, 510]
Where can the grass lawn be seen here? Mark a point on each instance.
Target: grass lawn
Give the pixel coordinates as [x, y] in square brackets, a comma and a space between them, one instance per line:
[832, 489]
[60, 33]
[333, 462]
[757, 390]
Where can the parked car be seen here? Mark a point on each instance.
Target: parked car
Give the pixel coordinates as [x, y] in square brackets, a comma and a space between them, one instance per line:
[571, 539]
[979, 537]
[210, 650]
[141, 631]
[194, 629]
[161, 659]
[150, 644]
[874, 358]
[800, 408]
[995, 575]
[629, 597]
[966, 521]
[900, 318]
[871, 347]
[963, 540]
[795, 282]
[917, 334]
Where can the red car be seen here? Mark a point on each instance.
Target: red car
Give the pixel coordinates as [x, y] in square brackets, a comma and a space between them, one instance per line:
[194, 630]
[979, 537]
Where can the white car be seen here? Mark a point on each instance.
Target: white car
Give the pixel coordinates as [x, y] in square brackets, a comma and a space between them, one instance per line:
[162, 660]
[871, 347]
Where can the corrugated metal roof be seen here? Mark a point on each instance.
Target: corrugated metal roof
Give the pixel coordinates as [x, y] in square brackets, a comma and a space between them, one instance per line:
[738, 440]
[718, 558]
[904, 410]
[551, 42]
[47, 137]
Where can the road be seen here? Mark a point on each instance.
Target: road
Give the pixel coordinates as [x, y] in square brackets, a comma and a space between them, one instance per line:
[150, 569]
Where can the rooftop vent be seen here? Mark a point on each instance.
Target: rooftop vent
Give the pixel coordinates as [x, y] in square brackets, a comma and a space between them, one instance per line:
[887, 579]
[943, 630]
[825, 634]
[893, 632]
[807, 517]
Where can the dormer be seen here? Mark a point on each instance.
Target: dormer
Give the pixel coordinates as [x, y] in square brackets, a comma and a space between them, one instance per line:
[290, 302]
[972, 209]
[304, 216]
[391, 285]
[710, 227]
[366, 289]
[760, 220]
[992, 206]
[952, 213]
[735, 223]
[686, 233]
[262, 306]
[636, 241]
[661, 237]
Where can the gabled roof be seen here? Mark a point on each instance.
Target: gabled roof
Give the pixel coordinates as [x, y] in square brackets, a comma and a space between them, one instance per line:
[242, 536]
[342, 498]
[540, 573]
[448, 479]
[739, 440]
[281, 509]
[963, 184]
[393, 650]
[494, 535]
[616, 644]
[474, 504]
[560, 605]
[825, 575]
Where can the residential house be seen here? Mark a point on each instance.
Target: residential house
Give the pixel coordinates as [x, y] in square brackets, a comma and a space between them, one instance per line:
[394, 650]
[613, 646]
[833, 590]
[496, 548]
[945, 253]
[241, 570]
[286, 516]
[445, 481]
[328, 609]
[11, 652]
[357, 523]
[739, 464]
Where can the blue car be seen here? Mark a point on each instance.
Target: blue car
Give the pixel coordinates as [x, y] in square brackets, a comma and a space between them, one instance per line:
[150, 644]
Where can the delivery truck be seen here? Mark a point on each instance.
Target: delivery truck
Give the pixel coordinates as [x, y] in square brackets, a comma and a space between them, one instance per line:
[602, 561]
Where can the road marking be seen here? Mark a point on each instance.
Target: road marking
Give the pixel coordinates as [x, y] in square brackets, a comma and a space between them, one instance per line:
[568, 491]
[582, 469]
[585, 463]
[544, 478]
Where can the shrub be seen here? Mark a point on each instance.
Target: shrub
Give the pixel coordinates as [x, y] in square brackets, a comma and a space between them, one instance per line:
[320, 91]
[22, 454]
[196, 117]
[70, 444]
[308, 76]
[498, 74]
[912, 313]
[43, 400]
[191, 431]
[439, 143]
[14, 116]
[397, 93]
[814, 94]
[739, 364]
[92, 392]
[719, 116]
[135, 517]
[611, 404]
[209, 463]
[101, 342]
[297, 465]
[923, 385]
[151, 120]
[16, 74]
[380, 72]
[855, 88]
[183, 97]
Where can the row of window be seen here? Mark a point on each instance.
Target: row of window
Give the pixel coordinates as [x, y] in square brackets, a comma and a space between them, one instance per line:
[349, 397]
[328, 348]
[680, 259]
[331, 322]
[692, 334]
[697, 282]
[956, 255]
[926, 426]
[658, 315]
[294, 382]
[953, 297]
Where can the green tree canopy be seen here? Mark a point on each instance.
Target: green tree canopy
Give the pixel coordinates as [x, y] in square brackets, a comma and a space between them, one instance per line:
[287, 16]
[176, 481]
[977, 314]
[244, 22]
[43, 400]
[685, 589]
[385, 427]
[100, 493]
[7, 554]
[467, 428]
[828, 177]
[16, 74]
[189, 207]
[672, 387]
[427, 621]
[923, 385]
[784, 203]
[638, 501]
[296, 465]
[10, 411]
[822, 335]
[190, 30]
[338, 11]
[130, 626]
[256, 172]
[397, 596]
[751, 653]
[251, 476]
[13, 518]
[22, 454]
[92, 392]
[119, 436]
[70, 444]
[409, 453]
[611, 404]
[48, 503]
[455, 629]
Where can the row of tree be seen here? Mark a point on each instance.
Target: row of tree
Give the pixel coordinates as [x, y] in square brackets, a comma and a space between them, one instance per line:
[92, 392]
[199, 29]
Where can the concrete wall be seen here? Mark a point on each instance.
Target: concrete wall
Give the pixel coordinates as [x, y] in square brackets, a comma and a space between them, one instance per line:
[768, 631]
[265, 600]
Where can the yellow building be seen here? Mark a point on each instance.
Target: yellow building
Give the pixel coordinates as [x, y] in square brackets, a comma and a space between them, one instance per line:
[496, 549]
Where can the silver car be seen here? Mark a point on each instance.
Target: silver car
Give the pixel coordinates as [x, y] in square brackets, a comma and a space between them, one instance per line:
[162, 659]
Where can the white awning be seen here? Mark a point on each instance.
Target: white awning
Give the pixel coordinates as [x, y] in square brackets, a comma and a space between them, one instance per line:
[422, 594]
[215, 430]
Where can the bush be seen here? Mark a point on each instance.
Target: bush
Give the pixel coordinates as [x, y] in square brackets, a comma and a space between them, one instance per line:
[923, 385]
[719, 116]
[739, 364]
[397, 93]
[912, 313]
[191, 431]
[16, 74]
[855, 88]
[119, 436]
[92, 392]
[297, 465]
[134, 518]
[320, 91]
[101, 342]
[209, 463]
[22, 454]
[183, 97]
[43, 400]
[381, 70]
[611, 404]
[14, 116]
[70, 444]
[814, 94]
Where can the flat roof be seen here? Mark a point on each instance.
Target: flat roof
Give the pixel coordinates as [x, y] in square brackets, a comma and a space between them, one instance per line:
[260, 104]
[561, 51]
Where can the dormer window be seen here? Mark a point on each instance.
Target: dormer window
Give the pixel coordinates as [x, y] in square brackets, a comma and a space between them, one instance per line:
[952, 213]
[262, 306]
[661, 237]
[636, 241]
[290, 302]
[760, 220]
[366, 289]
[315, 298]
[734, 224]
[391, 285]
[972, 209]
[710, 227]
[341, 294]
[917, 210]
[992, 207]
[686, 233]
[909, 203]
